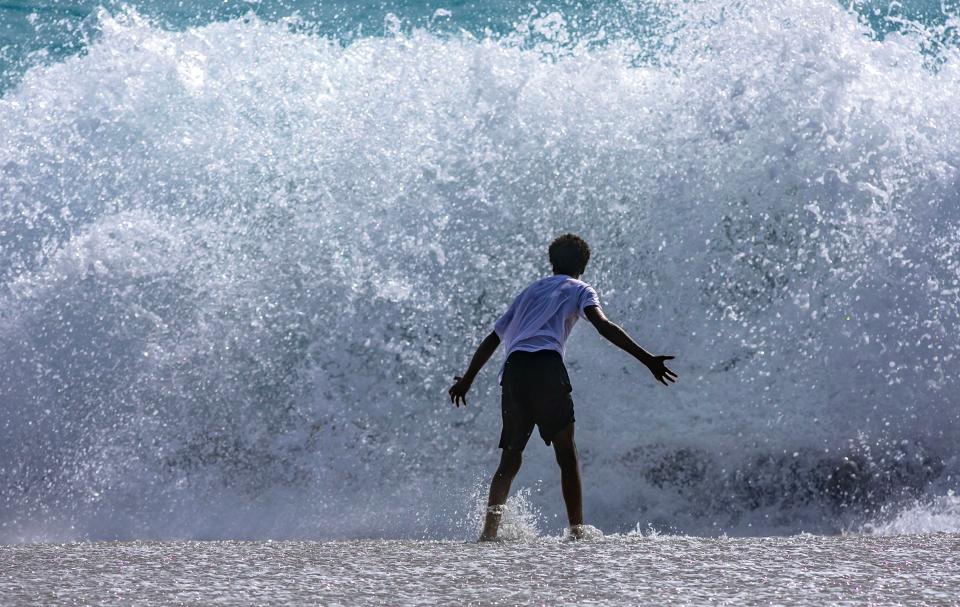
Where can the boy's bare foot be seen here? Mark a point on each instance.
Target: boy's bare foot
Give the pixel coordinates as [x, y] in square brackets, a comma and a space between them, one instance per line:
[492, 523]
[577, 532]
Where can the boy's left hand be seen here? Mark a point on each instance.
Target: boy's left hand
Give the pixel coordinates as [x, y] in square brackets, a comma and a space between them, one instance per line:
[660, 370]
[458, 392]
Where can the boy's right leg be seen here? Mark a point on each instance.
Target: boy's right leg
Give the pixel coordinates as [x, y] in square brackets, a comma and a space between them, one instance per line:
[565, 448]
[510, 461]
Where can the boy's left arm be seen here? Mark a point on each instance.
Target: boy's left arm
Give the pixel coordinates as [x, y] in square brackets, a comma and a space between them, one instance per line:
[618, 337]
[458, 392]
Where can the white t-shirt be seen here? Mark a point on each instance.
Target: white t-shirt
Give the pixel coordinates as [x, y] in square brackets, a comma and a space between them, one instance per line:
[541, 317]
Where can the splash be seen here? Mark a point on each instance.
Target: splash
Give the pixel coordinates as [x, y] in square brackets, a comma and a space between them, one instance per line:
[520, 518]
[241, 262]
[520, 521]
[938, 515]
[586, 533]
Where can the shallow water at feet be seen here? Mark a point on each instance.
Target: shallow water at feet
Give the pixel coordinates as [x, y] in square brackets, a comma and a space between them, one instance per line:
[632, 569]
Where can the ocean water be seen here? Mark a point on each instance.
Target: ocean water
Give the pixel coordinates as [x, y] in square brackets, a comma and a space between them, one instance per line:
[621, 570]
[244, 247]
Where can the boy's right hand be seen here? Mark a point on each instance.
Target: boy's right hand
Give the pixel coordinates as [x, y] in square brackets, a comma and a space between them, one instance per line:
[458, 392]
[660, 370]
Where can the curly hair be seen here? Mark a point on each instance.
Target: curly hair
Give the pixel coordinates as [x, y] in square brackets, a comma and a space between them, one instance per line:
[569, 255]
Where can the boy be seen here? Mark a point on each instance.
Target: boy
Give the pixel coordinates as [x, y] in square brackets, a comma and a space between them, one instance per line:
[536, 388]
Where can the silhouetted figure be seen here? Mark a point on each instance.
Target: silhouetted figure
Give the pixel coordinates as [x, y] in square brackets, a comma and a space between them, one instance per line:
[536, 387]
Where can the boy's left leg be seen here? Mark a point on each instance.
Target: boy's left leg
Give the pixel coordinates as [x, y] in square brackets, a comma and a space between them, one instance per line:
[510, 461]
[565, 448]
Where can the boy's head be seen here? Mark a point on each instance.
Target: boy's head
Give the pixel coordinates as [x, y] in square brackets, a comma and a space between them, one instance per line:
[569, 255]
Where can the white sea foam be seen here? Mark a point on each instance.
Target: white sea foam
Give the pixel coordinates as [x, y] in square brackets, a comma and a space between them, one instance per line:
[240, 265]
[937, 515]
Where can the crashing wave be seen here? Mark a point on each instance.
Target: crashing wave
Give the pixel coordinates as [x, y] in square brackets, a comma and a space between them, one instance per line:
[239, 264]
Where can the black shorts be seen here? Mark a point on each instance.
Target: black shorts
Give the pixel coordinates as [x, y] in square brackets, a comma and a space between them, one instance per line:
[536, 391]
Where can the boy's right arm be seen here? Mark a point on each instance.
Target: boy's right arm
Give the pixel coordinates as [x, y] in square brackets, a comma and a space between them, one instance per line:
[458, 392]
[618, 337]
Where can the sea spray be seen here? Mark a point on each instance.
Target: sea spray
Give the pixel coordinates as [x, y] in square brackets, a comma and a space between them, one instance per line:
[241, 263]
[932, 515]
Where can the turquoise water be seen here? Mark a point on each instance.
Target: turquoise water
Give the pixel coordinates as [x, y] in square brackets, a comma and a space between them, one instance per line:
[39, 32]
